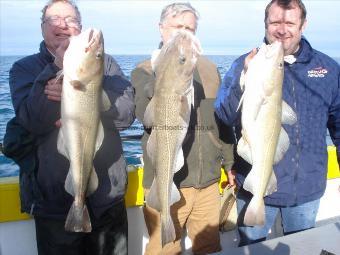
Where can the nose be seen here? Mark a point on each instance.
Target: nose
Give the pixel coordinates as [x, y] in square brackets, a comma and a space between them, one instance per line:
[62, 23]
[282, 29]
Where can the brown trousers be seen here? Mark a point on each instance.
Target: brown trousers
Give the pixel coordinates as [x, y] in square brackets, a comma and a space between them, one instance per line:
[198, 211]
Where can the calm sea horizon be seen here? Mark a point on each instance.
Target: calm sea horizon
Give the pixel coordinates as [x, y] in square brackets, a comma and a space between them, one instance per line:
[132, 148]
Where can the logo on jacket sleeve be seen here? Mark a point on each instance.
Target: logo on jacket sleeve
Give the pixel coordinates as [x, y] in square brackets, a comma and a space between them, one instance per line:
[318, 72]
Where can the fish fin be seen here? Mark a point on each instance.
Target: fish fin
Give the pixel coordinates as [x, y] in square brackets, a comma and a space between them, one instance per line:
[76, 84]
[268, 88]
[282, 146]
[152, 200]
[250, 181]
[154, 57]
[255, 213]
[272, 185]
[69, 183]
[190, 94]
[59, 75]
[61, 144]
[149, 115]
[257, 106]
[185, 107]
[105, 103]
[168, 230]
[175, 196]
[288, 115]
[242, 80]
[93, 183]
[243, 150]
[100, 137]
[179, 160]
[240, 103]
[78, 219]
[151, 147]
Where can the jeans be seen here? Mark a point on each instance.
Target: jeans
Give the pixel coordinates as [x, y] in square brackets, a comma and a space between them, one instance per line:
[294, 219]
[108, 235]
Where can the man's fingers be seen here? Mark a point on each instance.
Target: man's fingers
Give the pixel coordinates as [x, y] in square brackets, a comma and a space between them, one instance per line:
[54, 98]
[58, 123]
[231, 177]
[250, 56]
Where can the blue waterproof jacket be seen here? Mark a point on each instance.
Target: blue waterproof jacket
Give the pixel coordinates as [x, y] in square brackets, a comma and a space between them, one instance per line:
[37, 114]
[312, 88]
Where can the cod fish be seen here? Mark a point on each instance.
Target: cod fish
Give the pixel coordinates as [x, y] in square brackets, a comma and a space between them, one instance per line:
[168, 113]
[264, 142]
[81, 133]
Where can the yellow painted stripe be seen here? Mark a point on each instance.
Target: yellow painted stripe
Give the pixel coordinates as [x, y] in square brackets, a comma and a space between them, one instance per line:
[333, 167]
[10, 203]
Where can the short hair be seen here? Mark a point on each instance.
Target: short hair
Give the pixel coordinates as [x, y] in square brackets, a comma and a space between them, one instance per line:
[51, 2]
[287, 5]
[177, 9]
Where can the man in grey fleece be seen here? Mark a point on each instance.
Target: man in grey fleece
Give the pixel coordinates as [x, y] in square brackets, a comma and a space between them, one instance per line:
[36, 97]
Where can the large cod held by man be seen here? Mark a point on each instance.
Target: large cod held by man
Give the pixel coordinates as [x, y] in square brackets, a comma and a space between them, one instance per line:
[168, 113]
[81, 133]
[264, 141]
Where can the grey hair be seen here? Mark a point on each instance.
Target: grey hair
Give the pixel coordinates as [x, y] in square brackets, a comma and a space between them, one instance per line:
[51, 2]
[177, 9]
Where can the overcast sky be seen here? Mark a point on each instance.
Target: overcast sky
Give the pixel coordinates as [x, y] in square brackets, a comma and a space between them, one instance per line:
[130, 27]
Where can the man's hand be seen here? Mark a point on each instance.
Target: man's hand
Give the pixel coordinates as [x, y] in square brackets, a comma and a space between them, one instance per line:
[248, 58]
[53, 89]
[230, 179]
[59, 53]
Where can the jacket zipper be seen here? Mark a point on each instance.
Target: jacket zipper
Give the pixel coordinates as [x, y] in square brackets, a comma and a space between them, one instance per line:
[296, 158]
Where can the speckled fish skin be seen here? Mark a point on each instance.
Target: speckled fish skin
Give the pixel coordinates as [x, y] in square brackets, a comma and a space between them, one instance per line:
[81, 132]
[168, 113]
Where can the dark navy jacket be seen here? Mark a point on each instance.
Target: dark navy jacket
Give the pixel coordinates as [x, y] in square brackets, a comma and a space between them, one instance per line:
[312, 88]
[38, 115]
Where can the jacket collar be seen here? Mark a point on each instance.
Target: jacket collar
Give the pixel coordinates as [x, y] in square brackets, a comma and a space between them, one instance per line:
[305, 52]
[45, 52]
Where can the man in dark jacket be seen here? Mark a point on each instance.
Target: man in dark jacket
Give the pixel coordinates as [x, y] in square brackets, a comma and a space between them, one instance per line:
[312, 88]
[204, 151]
[36, 95]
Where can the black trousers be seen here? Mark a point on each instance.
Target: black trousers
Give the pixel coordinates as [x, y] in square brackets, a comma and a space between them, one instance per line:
[108, 237]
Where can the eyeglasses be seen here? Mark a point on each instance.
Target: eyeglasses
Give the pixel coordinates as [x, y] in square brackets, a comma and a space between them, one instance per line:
[56, 21]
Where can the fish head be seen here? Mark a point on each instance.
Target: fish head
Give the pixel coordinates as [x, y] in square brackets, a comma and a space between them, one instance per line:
[271, 56]
[268, 57]
[84, 57]
[178, 58]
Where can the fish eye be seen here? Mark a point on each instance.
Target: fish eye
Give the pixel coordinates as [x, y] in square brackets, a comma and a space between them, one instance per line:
[280, 65]
[98, 55]
[182, 59]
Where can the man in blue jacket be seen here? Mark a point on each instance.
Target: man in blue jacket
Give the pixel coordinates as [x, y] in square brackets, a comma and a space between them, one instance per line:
[312, 88]
[36, 95]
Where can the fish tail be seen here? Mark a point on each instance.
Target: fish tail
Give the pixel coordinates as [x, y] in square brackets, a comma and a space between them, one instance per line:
[167, 230]
[78, 219]
[255, 213]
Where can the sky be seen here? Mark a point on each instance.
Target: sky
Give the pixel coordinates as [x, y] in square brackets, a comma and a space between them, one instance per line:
[225, 27]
